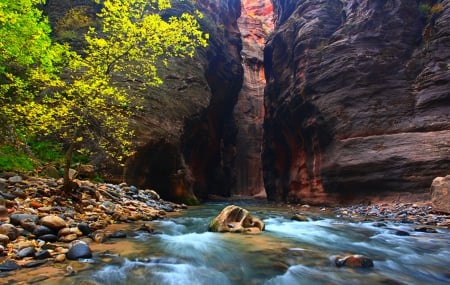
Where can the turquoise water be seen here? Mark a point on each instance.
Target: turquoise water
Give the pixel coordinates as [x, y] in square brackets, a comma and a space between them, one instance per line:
[288, 252]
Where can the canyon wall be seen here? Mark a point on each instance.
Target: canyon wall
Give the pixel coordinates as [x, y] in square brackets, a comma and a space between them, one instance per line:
[357, 99]
[255, 24]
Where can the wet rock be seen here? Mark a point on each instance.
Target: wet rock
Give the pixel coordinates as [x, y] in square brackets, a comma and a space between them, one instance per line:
[84, 228]
[354, 261]
[53, 222]
[42, 230]
[8, 196]
[28, 224]
[26, 252]
[118, 234]
[35, 204]
[11, 231]
[9, 265]
[147, 228]
[299, 218]
[43, 254]
[4, 239]
[49, 237]
[440, 194]
[3, 211]
[401, 233]
[68, 238]
[17, 218]
[425, 230]
[79, 250]
[69, 231]
[34, 263]
[236, 219]
[60, 257]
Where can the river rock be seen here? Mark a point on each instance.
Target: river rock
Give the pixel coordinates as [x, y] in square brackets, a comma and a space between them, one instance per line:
[84, 228]
[118, 234]
[354, 261]
[42, 230]
[15, 179]
[17, 218]
[2, 184]
[4, 239]
[440, 194]
[26, 252]
[79, 250]
[11, 231]
[9, 265]
[60, 257]
[48, 237]
[28, 224]
[3, 211]
[236, 219]
[43, 254]
[53, 222]
[299, 218]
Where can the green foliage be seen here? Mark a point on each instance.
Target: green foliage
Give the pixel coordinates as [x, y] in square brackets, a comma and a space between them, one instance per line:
[430, 10]
[29, 65]
[14, 160]
[92, 107]
[424, 8]
[47, 151]
[95, 107]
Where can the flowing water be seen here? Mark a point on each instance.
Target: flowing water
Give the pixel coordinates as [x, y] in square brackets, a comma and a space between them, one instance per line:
[287, 252]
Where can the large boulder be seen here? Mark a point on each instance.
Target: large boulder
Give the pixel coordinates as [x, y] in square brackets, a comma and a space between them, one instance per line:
[236, 220]
[440, 194]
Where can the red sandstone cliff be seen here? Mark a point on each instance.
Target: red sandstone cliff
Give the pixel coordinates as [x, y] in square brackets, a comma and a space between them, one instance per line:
[357, 100]
[255, 24]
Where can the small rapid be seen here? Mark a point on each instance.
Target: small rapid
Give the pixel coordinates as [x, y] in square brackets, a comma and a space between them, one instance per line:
[287, 252]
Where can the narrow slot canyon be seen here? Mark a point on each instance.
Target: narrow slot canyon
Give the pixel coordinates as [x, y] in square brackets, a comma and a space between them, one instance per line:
[255, 24]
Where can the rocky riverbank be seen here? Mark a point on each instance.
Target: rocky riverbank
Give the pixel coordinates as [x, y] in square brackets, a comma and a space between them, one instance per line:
[42, 227]
[40, 224]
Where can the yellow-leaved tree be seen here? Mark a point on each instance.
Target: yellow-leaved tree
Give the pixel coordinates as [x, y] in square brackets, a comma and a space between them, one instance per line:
[30, 63]
[134, 38]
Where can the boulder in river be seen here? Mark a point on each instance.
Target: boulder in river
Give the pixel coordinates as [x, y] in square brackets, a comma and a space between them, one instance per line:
[354, 261]
[440, 194]
[236, 219]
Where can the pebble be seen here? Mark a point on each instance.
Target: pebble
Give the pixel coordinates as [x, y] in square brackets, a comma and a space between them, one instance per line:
[396, 212]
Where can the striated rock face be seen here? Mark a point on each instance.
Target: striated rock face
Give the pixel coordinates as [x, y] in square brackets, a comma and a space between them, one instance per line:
[208, 137]
[357, 98]
[255, 24]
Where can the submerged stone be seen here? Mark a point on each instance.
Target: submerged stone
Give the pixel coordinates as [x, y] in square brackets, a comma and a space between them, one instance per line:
[354, 261]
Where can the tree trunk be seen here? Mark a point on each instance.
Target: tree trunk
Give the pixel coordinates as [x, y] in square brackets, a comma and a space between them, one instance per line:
[67, 161]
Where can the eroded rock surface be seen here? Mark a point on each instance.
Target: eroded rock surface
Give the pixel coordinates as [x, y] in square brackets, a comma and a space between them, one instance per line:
[357, 99]
[236, 220]
[440, 194]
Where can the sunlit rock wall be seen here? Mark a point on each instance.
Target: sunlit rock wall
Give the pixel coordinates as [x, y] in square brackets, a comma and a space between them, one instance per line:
[357, 99]
[255, 24]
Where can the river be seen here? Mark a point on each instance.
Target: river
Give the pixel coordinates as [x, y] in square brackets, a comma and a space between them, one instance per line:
[287, 252]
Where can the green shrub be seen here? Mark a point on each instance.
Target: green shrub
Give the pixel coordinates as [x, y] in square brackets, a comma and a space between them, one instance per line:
[14, 160]
[47, 151]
